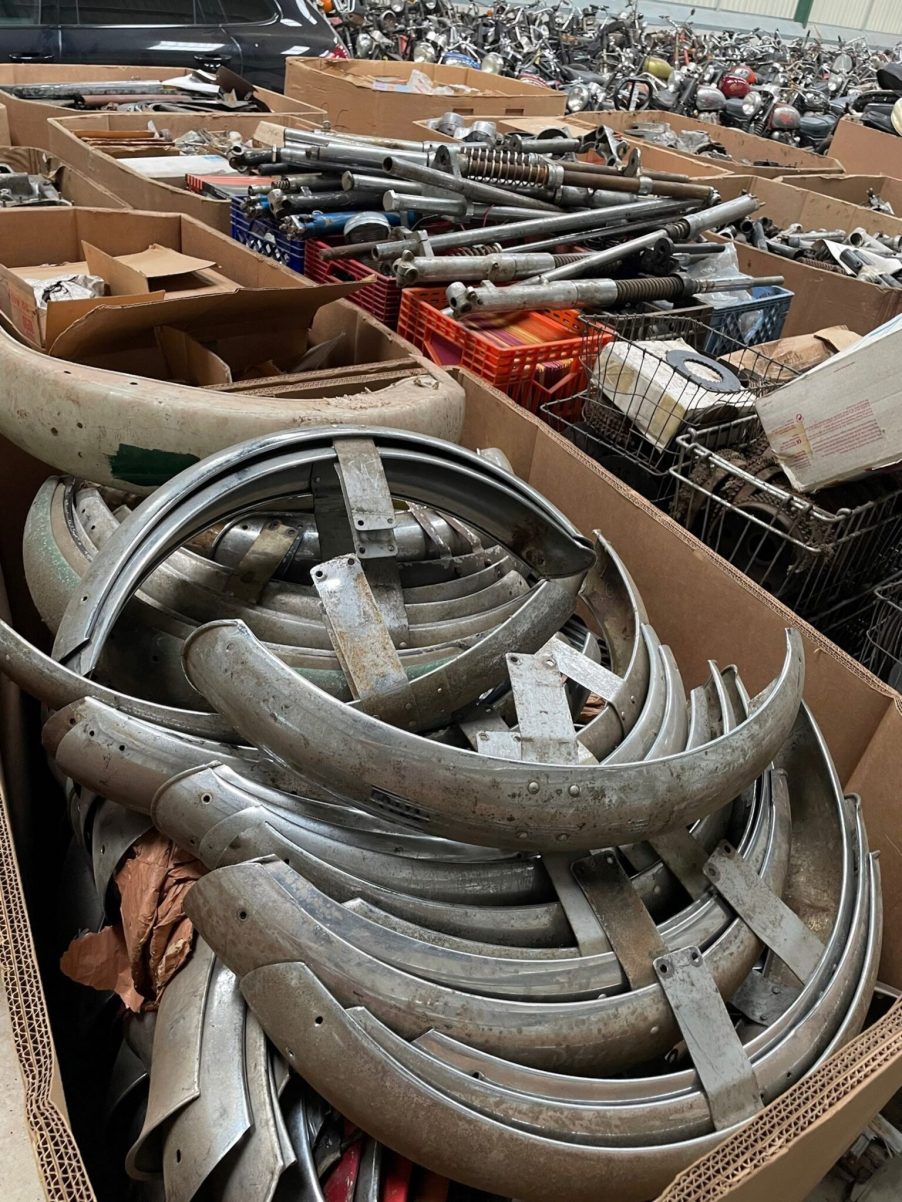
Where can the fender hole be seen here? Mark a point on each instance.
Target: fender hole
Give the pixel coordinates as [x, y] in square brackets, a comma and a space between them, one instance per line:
[178, 1156]
[318, 1020]
[242, 914]
[122, 747]
[206, 798]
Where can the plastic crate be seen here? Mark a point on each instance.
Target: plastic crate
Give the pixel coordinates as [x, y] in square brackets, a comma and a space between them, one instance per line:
[526, 355]
[733, 496]
[261, 235]
[749, 322]
[382, 297]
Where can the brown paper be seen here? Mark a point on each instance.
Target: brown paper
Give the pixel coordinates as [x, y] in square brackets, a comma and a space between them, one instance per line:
[138, 956]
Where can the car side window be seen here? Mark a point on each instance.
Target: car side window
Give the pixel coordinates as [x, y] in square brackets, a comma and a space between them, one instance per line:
[19, 12]
[249, 12]
[136, 12]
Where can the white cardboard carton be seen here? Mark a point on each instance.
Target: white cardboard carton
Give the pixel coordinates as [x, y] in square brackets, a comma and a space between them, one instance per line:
[843, 418]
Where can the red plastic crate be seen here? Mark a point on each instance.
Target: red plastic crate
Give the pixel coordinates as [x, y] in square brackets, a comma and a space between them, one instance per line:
[382, 297]
[528, 362]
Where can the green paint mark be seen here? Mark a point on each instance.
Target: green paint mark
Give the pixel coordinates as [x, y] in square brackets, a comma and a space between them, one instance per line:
[147, 468]
[803, 11]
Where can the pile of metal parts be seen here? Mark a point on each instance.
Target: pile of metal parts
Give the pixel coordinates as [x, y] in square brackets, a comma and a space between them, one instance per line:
[792, 90]
[20, 188]
[533, 215]
[490, 881]
[190, 93]
[871, 257]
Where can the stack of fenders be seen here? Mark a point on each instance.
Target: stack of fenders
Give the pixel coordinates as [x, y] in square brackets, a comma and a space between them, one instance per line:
[482, 874]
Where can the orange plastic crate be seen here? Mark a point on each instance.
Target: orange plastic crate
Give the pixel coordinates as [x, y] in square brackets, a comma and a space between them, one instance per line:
[516, 352]
[381, 296]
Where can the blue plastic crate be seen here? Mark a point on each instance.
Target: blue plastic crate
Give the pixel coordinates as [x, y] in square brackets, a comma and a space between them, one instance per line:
[262, 236]
[747, 322]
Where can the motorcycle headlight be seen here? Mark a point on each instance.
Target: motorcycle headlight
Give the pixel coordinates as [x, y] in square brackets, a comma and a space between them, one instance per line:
[423, 52]
[364, 44]
[493, 63]
[577, 97]
[749, 109]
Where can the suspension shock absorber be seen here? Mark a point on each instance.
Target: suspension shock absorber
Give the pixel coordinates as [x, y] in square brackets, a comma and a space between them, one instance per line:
[509, 168]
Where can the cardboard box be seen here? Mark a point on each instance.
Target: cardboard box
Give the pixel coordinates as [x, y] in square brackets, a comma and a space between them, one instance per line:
[182, 248]
[136, 189]
[842, 418]
[156, 274]
[78, 189]
[653, 157]
[852, 188]
[363, 97]
[28, 118]
[861, 150]
[822, 298]
[780, 1155]
[746, 149]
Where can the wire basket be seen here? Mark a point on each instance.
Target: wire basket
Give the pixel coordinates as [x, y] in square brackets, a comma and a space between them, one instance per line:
[847, 622]
[883, 650]
[639, 395]
[732, 494]
[566, 417]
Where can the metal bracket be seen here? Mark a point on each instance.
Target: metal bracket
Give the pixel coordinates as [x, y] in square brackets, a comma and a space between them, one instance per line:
[685, 857]
[367, 498]
[631, 931]
[547, 735]
[726, 1075]
[362, 640]
[762, 1001]
[261, 561]
[766, 914]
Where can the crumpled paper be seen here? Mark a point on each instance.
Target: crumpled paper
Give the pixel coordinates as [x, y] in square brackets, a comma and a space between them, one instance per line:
[139, 955]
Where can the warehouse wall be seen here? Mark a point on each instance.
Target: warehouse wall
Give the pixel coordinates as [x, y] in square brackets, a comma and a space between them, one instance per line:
[879, 20]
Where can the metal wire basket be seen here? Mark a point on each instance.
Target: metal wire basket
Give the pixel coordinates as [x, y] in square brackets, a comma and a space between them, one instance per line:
[656, 484]
[883, 650]
[639, 396]
[847, 622]
[733, 495]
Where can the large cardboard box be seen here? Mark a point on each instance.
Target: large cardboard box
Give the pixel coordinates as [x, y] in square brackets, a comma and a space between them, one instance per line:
[74, 187]
[862, 151]
[852, 188]
[137, 190]
[374, 97]
[748, 152]
[822, 298]
[28, 118]
[702, 607]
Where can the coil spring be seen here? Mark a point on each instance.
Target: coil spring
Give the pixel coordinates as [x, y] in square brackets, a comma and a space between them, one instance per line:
[506, 167]
[632, 291]
[482, 248]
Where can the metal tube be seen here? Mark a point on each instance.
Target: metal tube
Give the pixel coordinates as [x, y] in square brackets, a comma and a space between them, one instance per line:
[584, 294]
[550, 146]
[422, 174]
[717, 216]
[569, 223]
[349, 155]
[352, 180]
[604, 258]
[422, 270]
[640, 185]
[317, 138]
[451, 206]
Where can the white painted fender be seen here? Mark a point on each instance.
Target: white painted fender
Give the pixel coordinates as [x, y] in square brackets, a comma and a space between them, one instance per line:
[133, 432]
